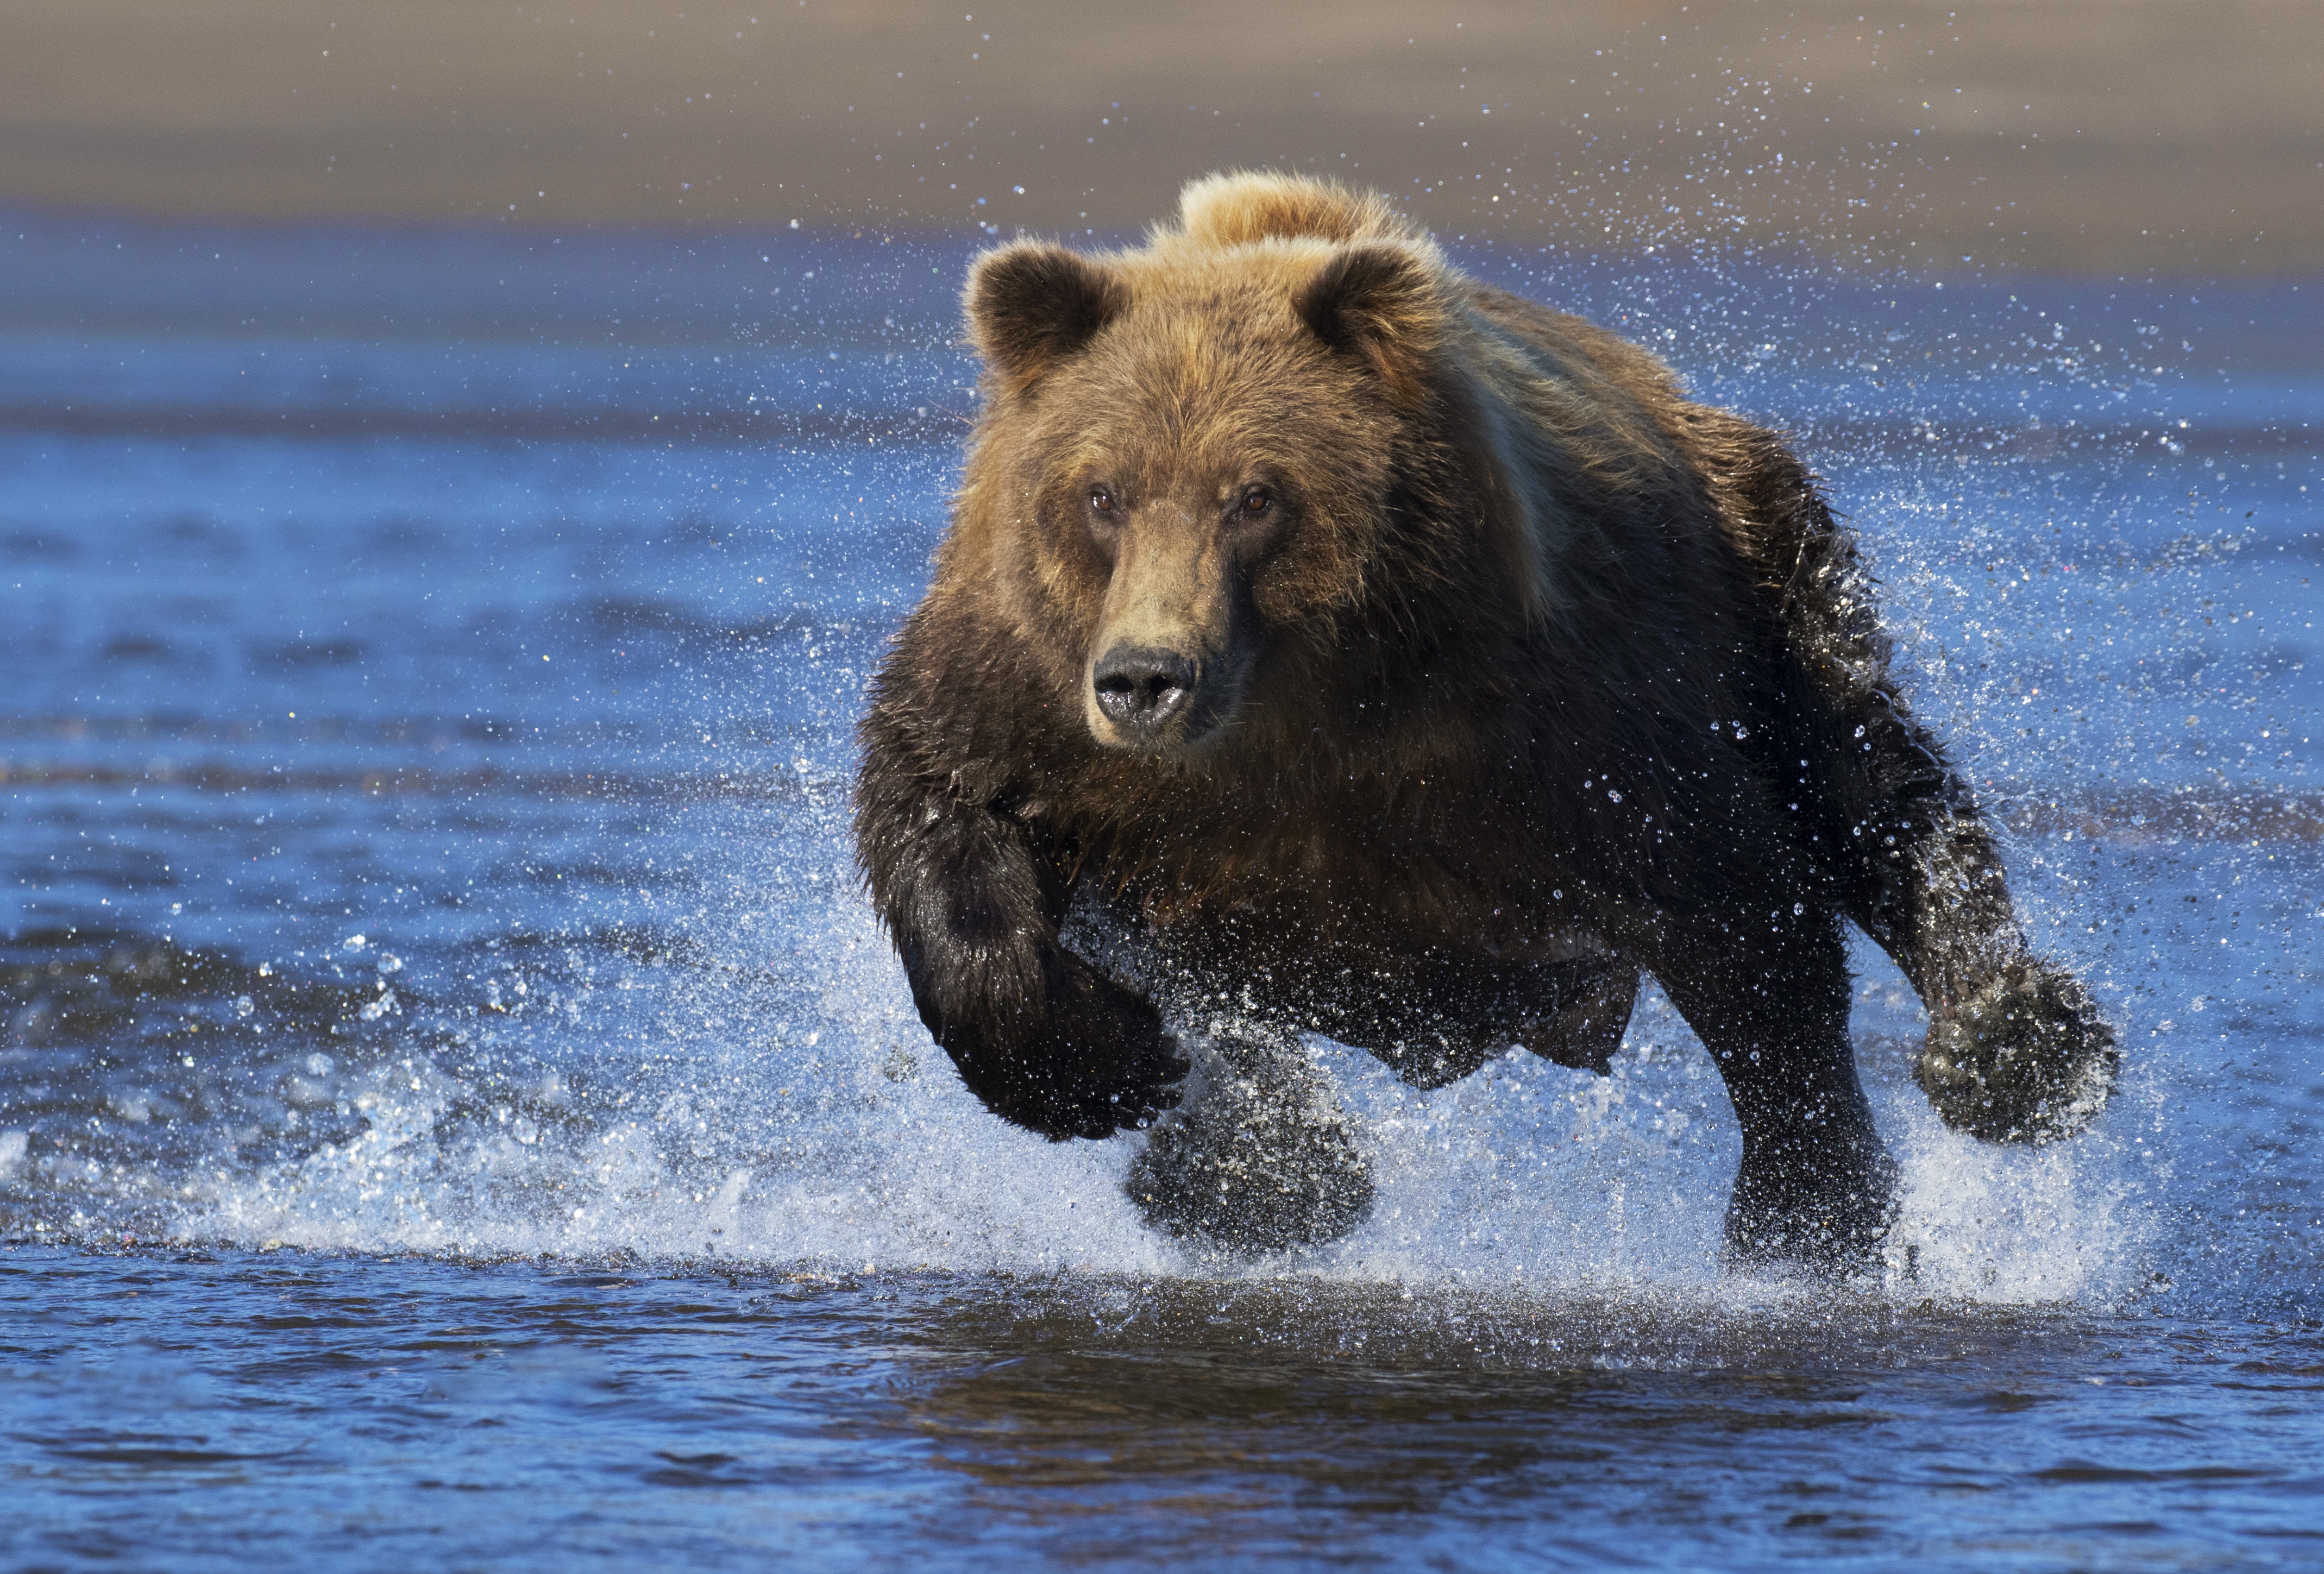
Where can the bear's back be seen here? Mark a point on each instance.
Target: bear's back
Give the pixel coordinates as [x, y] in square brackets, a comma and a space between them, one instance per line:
[1244, 208]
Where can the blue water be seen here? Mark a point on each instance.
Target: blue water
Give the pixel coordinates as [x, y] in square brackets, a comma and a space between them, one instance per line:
[455, 1107]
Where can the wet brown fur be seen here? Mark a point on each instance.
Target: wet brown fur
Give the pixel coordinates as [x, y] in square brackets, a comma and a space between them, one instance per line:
[1548, 675]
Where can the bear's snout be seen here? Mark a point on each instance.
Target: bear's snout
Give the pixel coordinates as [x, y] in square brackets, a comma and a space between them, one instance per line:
[1140, 689]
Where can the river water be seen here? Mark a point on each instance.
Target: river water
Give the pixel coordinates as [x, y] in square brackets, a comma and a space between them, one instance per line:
[456, 1110]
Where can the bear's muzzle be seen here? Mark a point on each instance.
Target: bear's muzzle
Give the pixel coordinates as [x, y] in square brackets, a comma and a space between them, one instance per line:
[1142, 690]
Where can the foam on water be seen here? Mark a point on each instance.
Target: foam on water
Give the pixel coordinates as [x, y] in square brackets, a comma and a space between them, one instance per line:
[700, 1106]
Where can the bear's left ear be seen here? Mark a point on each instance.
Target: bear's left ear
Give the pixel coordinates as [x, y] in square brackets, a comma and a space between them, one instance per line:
[1030, 305]
[1382, 303]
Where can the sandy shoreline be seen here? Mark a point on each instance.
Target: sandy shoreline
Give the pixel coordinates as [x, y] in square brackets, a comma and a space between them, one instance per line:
[2170, 135]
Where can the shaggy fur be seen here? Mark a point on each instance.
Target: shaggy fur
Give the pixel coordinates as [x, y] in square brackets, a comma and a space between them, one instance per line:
[1421, 664]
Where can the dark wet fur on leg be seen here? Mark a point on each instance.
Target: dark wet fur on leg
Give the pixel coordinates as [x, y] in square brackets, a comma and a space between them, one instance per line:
[1258, 1159]
[2016, 1049]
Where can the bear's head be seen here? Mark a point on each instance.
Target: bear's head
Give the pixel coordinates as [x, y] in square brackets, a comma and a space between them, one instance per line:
[1200, 458]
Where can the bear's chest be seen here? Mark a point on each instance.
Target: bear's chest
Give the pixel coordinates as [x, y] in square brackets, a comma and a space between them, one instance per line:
[1364, 883]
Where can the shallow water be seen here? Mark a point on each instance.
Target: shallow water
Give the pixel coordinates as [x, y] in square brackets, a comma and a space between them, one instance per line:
[232, 1405]
[456, 1107]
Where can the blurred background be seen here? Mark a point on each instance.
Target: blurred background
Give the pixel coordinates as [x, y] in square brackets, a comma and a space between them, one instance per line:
[2177, 136]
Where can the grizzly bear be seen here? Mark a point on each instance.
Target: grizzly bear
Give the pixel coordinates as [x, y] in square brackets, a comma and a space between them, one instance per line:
[1420, 664]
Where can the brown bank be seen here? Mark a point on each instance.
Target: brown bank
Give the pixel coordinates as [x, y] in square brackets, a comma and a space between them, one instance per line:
[1325, 640]
[2186, 136]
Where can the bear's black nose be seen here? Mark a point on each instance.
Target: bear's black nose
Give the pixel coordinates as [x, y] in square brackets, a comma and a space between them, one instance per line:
[1139, 688]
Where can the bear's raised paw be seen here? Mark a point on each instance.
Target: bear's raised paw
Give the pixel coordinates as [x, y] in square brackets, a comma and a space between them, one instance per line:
[2026, 1058]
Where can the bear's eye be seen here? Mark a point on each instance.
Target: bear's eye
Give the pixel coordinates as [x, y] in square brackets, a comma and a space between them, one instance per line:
[1101, 500]
[1255, 500]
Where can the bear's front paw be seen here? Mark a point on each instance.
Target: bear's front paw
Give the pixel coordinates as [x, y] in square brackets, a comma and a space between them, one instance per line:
[1096, 1061]
[2026, 1058]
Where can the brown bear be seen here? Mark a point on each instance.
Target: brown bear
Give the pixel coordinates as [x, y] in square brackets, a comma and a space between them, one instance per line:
[1421, 664]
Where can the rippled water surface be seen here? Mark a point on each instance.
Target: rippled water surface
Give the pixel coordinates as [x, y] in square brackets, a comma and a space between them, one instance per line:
[455, 1110]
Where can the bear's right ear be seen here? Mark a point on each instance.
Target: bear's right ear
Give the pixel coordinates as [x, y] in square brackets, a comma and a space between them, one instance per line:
[1030, 305]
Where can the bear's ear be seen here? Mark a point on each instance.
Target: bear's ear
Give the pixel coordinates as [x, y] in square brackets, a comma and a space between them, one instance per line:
[1030, 305]
[1382, 303]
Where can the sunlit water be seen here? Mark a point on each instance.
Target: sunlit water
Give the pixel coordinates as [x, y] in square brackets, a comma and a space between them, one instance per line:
[456, 1108]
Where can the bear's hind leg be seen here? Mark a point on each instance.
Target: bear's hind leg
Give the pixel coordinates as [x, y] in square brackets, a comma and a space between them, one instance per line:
[1770, 999]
